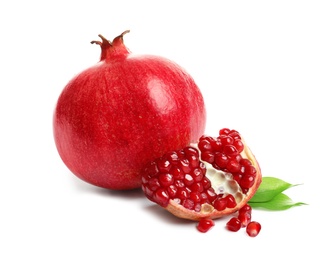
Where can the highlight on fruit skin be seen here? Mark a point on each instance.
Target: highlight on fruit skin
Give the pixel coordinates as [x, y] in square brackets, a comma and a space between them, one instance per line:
[207, 180]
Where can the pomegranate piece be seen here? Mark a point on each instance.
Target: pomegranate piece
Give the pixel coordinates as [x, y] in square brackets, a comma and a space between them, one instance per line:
[234, 224]
[192, 188]
[205, 224]
[253, 228]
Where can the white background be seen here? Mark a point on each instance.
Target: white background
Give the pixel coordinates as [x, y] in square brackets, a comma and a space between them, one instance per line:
[263, 68]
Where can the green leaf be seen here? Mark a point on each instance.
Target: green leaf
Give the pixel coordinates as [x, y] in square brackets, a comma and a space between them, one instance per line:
[269, 188]
[279, 202]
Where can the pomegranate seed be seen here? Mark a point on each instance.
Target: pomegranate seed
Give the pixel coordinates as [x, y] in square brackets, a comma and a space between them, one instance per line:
[231, 202]
[253, 228]
[184, 164]
[198, 207]
[202, 167]
[183, 193]
[179, 183]
[163, 165]
[197, 175]
[149, 193]
[247, 181]
[161, 197]
[193, 161]
[204, 144]
[191, 151]
[230, 150]
[237, 177]
[216, 145]
[195, 196]
[204, 197]
[245, 208]
[234, 134]
[239, 145]
[234, 224]
[245, 218]
[211, 195]
[173, 157]
[224, 131]
[188, 204]
[226, 139]
[208, 156]
[180, 154]
[204, 225]
[197, 186]
[177, 173]
[233, 166]
[154, 184]
[220, 203]
[188, 180]
[172, 190]
[165, 179]
[206, 183]
[236, 157]
[221, 160]
[245, 162]
[244, 190]
[250, 170]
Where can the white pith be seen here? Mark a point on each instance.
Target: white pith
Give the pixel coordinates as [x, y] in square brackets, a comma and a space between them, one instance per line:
[223, 182]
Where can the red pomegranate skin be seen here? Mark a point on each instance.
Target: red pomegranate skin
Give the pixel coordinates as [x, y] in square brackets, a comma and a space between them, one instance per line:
[126, 110]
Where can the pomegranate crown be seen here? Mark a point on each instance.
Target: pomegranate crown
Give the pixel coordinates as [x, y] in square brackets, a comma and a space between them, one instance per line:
[116, 48]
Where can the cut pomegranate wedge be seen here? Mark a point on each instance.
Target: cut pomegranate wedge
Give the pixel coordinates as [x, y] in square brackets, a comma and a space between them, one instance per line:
[210, 179]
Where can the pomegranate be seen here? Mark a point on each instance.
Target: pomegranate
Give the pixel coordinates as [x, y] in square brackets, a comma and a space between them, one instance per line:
[114, 117]
[206, 180]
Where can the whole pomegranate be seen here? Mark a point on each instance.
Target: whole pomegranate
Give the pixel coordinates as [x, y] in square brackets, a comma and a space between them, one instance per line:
[214, 177]
[126, 110]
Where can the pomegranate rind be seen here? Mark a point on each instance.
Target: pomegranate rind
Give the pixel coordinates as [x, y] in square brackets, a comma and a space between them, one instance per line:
[207, 210]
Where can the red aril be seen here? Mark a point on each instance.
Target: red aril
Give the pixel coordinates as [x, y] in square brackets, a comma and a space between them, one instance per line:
[114, 117]
[246, 209]
[245, 218]
[206, 178]
[234, 224]
[205, 225]
[253, 228]
[244, 215]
